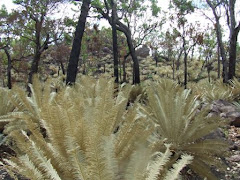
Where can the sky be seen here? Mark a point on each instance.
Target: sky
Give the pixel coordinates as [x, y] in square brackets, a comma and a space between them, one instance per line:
[8, 4]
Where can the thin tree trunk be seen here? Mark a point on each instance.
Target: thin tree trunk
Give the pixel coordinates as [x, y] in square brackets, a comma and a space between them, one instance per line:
[233, 39]
[233, 51]
[62, 67]
[185, 69]
[219, 63]
[136, 74]
[76, 47]
[220, 42]
[125, 29]
[173, 68]
[178, 59]
[114, 37]
[9, 67]
[34, 68]
[124, 69]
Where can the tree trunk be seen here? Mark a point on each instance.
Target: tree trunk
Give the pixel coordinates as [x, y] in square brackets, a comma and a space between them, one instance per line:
[114, 37]
[9, 82]
[34, 67]
[62, 67]
[178, 59]
[219, 63]
[220, 42]
[136, 74]
[124, 69]
[173, 64]
[233, 40]
[232, 55]
[76, 47]
[185, 69]
[222, 51]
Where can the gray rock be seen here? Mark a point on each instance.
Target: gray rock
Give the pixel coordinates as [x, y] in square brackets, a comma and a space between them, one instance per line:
[234, 118]
[234, 158]
[214, 108]
[143, 51]
[106, 50]
[217, 134]
[227, 109]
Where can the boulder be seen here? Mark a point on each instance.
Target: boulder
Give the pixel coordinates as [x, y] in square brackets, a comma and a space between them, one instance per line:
[106, 50]
[217, 134]
[227, 109]
[234, 158]
[234, 118]
[143, 51]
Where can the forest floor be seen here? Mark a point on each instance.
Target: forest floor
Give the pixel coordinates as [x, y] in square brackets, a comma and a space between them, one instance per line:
[233, 171]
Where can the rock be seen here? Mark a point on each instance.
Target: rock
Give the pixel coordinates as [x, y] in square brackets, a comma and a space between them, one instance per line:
[223, 115]
[227, 109]
[217, 134]
[214, 108]
[211, 114]
[221, 103]
[234, 118]
[143, 51]
[106, 50]
[234, 158]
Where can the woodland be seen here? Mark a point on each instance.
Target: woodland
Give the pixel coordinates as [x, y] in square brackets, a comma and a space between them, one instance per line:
[120, 90]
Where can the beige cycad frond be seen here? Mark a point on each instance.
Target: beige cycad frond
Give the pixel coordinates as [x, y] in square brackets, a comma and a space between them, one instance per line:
[6, 105]
[157, 165]
[77, 133]
[138, 164]
[174, 172]
[179, 122]
[236, 88]
[214, 91]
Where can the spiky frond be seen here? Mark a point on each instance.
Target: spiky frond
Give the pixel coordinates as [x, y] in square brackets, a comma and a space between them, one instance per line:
[82, 132]
[179, 122]
[236, 88]
[213, 91]
[5, 105]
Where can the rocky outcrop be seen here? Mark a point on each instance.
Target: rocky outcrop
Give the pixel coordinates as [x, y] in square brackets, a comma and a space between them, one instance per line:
[226, 110]
[143, 52]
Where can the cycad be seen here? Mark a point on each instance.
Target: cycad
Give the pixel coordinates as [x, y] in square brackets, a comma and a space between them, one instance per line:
[89, 134]
[209, 92]
[5, 105]
[179, 122]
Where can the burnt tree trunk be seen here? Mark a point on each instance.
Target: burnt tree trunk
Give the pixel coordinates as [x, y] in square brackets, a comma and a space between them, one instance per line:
[178, 59]
[219, 63]
[39, 48]
[185, 69]
[76, 47]
[233, 53]
[114, 38]
[136, 74]
[125, 29]
[9, 67]
[62, 67]
[233, 40]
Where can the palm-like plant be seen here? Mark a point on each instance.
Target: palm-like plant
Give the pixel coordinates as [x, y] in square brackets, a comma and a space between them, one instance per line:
[89, 134]
[179, 122]
[6, 105]
[209, 92]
